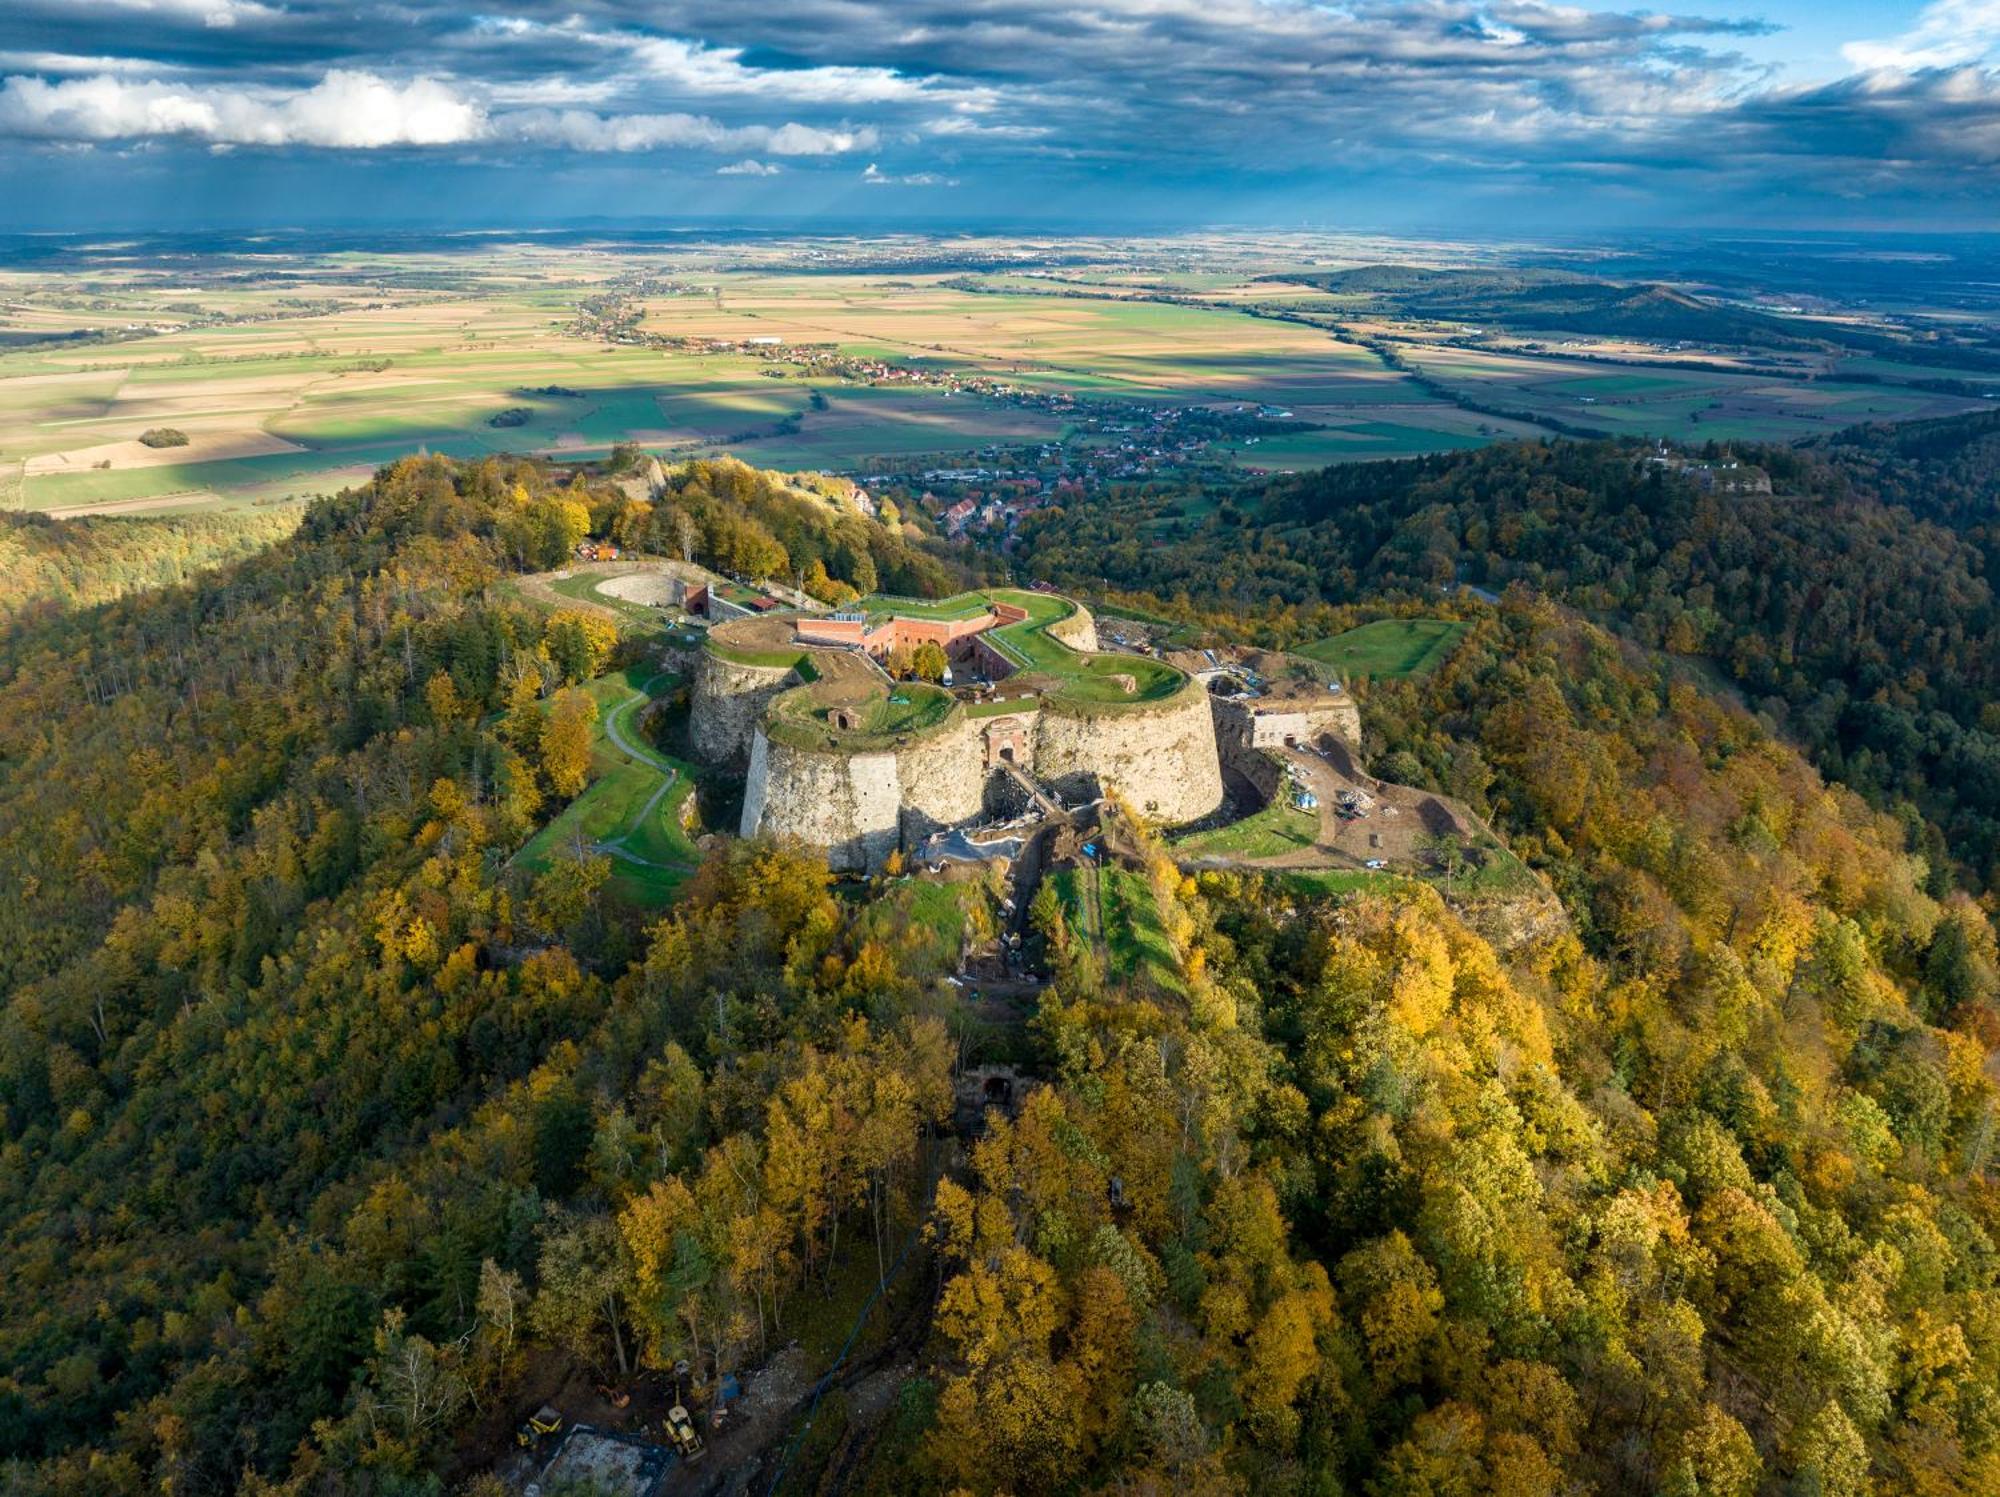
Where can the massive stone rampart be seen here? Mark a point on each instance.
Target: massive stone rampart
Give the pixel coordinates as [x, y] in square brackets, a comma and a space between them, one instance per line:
[1160, 756]
[726, 704]
[862, 796]
[861, 807]
[1077, 630]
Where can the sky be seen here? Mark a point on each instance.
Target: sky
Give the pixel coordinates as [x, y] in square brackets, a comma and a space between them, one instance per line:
[1398, 115]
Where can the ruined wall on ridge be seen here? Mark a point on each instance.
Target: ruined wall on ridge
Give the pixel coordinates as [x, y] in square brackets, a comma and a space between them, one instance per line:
[1161, 757]
[726, 704]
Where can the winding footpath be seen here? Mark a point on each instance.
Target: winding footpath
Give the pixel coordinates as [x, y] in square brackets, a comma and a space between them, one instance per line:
[614, 729]
[616, 723]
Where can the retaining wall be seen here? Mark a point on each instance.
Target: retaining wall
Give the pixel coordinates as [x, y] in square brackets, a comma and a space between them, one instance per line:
[862, 807]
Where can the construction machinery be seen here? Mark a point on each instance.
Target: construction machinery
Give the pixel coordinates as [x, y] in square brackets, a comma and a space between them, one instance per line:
[544, 1422]
[681, 1433]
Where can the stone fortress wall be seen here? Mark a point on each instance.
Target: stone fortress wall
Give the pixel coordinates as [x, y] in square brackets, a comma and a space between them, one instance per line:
[861, 807]
[1261, 725]
[1160, 757]
[863, 802]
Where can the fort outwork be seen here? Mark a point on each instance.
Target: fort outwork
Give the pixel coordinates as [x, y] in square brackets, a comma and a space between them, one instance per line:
[841, 755]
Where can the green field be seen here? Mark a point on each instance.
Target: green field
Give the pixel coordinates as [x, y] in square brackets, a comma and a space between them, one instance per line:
[1388, 648]
[630, 811]
[1355, 442]
[1690, 405]
[303, 373]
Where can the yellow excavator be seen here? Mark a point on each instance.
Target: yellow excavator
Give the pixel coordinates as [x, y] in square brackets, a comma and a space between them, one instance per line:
[681, 1433]
[544, 1422]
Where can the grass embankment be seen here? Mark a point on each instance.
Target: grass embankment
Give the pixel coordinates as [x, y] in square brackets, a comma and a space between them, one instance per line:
[1113, 909]
[1075, 679]
[1388, 648]
[631, 809]
[776, 659]
[1320, 881]
[639, 619]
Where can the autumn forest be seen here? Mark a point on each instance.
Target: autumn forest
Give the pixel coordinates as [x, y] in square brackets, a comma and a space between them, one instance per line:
[334, 1138]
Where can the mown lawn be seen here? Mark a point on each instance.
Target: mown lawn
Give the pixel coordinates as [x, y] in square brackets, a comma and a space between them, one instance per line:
[628, 807]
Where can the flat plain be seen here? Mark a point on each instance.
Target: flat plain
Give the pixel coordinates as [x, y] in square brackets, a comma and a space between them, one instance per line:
[293, 371]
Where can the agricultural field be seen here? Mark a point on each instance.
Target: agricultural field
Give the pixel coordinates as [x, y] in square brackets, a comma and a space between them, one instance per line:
[295, 371]
[287, 396]
[1689, 405]
[1387, 649]
[1080, 343]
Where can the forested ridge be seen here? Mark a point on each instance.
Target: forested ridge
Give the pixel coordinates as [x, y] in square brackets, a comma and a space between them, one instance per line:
[51, 564]
[326, 1138]
[1853, 605]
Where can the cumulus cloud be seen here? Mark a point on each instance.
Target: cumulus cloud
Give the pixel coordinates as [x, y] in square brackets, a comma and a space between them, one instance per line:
[581, 130]
[1082, 91]
[360, 111]
[1883, 124]
[345, 110]
[749, 167]
[874, 176]
[1947, 33]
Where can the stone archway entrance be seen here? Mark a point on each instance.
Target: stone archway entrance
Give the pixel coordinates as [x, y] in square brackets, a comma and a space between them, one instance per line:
[1006, 742]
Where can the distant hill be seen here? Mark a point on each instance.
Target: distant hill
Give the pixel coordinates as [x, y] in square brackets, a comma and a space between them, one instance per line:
[1556, 300]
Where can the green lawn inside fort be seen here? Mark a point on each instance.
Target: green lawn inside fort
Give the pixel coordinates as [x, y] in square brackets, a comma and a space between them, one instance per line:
[803, 717]
[1062, 674]
[1388, 649]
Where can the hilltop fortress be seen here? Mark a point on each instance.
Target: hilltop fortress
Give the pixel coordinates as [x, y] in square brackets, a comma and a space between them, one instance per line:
[839, 755]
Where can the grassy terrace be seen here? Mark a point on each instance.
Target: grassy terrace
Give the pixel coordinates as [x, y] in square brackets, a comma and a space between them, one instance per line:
[794, 655]
[1279, 828]
[800, 717]
[737, 593]
[1062, 678]
[1114, 912]
[631, 809]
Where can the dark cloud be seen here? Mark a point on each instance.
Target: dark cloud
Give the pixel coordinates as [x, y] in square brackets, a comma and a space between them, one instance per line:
[1020, 99]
